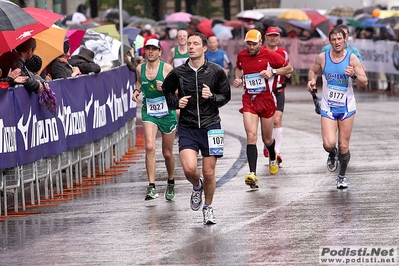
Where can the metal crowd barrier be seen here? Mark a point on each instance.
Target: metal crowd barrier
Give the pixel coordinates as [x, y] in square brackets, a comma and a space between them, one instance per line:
[66, 169]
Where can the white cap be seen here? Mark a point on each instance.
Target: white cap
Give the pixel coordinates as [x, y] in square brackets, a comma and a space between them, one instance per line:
[153, 42]
[147, 27]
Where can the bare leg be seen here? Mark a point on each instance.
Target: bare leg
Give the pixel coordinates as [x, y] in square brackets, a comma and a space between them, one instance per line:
[150, 133]
[208, 170]
[167, 151]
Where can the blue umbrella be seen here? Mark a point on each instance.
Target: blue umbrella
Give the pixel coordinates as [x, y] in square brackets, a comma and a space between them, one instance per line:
[372, 22]
[131, 33]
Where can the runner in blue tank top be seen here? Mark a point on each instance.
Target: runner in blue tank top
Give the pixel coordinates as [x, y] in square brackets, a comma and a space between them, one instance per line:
[340, 69]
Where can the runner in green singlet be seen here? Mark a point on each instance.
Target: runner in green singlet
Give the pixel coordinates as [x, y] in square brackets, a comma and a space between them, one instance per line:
[156, 116]
[178, 55]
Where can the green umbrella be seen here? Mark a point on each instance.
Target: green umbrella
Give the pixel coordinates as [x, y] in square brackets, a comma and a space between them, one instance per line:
[353, 22]
[139, 42]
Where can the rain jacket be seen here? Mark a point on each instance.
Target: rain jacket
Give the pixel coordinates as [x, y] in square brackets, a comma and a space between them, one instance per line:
[199, 112]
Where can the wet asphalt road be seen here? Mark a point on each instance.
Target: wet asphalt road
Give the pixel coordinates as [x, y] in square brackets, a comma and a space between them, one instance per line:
[285, 222]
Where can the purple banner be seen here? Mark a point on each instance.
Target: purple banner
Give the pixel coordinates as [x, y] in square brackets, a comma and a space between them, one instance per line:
[8, 144]
[88, 109]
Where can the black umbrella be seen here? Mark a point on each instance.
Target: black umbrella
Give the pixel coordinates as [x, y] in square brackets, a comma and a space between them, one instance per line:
[393, 21]
[13, 17]
[364, 10]
[112, 15]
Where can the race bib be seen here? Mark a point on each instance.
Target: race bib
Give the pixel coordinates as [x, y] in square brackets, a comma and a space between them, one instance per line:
[255, 83]
[216, 141]
[157, 107]
[337, 96]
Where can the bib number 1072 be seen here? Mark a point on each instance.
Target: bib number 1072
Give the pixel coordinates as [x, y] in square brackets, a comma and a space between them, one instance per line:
[216, 141]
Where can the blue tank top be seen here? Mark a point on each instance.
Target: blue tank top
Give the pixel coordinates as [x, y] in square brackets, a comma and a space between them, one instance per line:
[338, 95]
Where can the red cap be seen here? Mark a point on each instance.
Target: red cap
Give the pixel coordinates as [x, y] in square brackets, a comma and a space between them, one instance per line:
[273, 31]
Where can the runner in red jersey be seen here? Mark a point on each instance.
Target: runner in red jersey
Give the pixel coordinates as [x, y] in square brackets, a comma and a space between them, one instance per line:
[272, 37]
[257, 70]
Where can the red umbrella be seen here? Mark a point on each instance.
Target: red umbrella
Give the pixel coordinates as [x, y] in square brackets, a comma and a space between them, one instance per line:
[205, 26]
[17, 26]
[318, 20]
[43, 16]
[236, 24]
[75, 37]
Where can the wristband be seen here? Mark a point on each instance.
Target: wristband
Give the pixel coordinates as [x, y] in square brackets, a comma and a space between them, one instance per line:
[354, 76]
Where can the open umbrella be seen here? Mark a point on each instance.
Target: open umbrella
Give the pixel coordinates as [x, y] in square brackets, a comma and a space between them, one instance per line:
[84, 25]
[196, 19]
[341, 11]
[364, 10]
[300, 24]
[393, 21]
[104, 47]
[236, 24]
[16, 26]
[293, 14]
[50, 44]
[250, 15]
[112, 15]
[141, 22]
[45, 17]
[131, 33]
[372, 22]
[75, 37]
[179, 17]
[223, 33]
[139, 42]
[318, 21]
[355, 21]
[205, 26]
[109, 29]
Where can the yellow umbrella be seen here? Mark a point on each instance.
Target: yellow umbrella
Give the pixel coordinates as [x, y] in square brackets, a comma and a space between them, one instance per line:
[293, 14]
[50, 44]
[388, 13]
[109, 30]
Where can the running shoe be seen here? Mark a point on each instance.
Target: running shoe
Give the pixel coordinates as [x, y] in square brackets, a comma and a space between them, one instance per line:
[209, 218]
[273, 166]
[251, 180]
[151, 193]
[341, 182]
[332, 161]
[265, 152]
[196, 198]
[170, 192]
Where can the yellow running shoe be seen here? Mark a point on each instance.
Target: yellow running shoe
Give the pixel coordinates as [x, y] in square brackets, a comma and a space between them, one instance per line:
[273, 166]
[251, 180]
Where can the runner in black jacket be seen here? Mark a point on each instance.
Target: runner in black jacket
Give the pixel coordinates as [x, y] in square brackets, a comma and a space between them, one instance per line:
[202, 87]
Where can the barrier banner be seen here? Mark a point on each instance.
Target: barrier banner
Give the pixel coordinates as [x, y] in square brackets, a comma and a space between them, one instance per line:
[88, 109]
[8, 144]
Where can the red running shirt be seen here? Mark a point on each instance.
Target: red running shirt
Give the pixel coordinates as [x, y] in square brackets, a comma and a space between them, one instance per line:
[253, 65]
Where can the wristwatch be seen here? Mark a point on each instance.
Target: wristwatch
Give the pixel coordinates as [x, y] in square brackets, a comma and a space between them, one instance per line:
[354, 76]
[274, 72]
